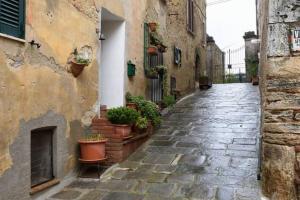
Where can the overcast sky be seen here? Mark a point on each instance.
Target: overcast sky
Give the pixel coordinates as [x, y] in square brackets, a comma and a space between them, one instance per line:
[227, 22]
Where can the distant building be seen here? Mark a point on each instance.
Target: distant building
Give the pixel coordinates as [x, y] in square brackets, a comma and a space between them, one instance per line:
[215, 61]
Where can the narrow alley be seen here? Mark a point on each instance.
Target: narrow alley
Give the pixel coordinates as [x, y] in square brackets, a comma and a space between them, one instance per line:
[205, 149]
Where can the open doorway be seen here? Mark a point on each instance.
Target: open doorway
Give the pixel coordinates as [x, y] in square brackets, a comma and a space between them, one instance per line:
[112, 60]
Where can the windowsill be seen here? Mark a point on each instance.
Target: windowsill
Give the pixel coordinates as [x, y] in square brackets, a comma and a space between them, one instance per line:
[12, 38]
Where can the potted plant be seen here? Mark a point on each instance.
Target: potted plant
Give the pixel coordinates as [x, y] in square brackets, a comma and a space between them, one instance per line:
[78, 63]
[157, 40]
[152, 50]
[152, 73]
[168, 101]
[152, 26]
[92, 147]
[141, 125]
[252, 64]
[129, 103]
[161, 69]
[122, 118]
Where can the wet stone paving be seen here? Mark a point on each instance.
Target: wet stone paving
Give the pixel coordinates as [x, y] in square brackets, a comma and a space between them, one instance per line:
[205, 149]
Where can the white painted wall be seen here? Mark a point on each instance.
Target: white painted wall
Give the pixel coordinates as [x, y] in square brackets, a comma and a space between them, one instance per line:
[112, 64]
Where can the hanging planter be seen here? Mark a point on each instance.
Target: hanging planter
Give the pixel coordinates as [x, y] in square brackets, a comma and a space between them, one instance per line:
[77, 68]
[79, 62]
[152, 26]
[152, 50]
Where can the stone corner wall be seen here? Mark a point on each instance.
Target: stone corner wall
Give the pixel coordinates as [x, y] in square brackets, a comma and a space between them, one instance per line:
[280, 88]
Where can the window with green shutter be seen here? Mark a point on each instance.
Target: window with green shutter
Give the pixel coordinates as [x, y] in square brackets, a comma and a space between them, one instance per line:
[12, 20]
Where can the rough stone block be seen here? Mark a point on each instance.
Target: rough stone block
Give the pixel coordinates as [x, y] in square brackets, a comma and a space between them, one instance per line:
[283, 11]
[278, 44]
[278, 172]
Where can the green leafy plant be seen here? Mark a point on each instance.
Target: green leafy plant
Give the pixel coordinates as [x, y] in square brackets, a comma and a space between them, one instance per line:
[152, 72]
[169, 100]
[142, 123]
[93, 137]
[252, 65]
[81, 58]
[161, 68]
[122, 115]
[148, 109]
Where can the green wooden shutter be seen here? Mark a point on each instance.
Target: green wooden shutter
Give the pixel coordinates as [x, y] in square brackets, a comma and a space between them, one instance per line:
[146, 45]
[12, 20]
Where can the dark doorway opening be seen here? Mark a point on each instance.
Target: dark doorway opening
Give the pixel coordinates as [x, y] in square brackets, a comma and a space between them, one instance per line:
[41, 156]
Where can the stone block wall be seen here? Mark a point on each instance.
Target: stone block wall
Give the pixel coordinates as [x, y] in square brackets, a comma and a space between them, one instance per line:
[280, 88]
[215, 62]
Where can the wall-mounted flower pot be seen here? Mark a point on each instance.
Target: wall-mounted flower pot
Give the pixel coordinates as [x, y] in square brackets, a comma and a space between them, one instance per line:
[152, 50]
[92, 150]
[123, 130]
[152, 26]
[77, 68]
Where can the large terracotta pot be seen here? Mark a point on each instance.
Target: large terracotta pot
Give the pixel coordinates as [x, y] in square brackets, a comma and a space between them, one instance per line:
[123, 130]
[132, 106]
[92, 150]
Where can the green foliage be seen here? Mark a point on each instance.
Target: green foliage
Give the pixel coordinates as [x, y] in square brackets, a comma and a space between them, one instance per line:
[148, 109]
[156, 39]
[142, 123]
[231, 78]
[252, 65]
[93, 137]
[169, 100]
[128, 97]
[80, 58]
[122, 115]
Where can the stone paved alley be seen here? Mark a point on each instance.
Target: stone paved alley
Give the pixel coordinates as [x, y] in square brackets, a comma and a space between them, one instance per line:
[206, 149]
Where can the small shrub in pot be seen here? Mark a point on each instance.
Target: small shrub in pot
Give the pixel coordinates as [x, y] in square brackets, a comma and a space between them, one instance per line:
[122, 118]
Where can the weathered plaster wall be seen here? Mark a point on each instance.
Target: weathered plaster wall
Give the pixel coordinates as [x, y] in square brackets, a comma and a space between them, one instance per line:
[37, 90]
[280, 99]
[171, 15]
[35, 82]
[190, 44]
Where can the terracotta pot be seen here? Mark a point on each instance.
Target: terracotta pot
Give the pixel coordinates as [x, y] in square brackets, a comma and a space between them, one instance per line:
[103, 111]
[152, 50]
[150, 127]
[132, 106]
[77, 68]
[92, 150]
[123, 130]
[255, 80]
[152, 26]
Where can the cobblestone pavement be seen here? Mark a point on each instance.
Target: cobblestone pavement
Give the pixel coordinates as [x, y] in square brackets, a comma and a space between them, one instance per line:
[206, 149]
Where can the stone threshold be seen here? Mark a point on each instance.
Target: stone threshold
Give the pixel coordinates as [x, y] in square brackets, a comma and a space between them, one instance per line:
[44, 186]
